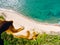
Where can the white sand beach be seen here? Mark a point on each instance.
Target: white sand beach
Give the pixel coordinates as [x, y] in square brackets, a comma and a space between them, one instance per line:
[29, 24]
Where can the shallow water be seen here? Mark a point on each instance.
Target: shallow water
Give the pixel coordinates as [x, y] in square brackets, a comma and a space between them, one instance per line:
[40, 10]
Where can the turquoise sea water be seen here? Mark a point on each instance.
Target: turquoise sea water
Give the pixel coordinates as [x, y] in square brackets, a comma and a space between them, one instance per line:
[40, 10]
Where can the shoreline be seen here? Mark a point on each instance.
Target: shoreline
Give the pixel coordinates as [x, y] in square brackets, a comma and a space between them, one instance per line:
[9, 10]
[29, 24]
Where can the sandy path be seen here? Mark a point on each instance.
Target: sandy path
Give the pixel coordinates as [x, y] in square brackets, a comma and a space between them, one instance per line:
[20, 20]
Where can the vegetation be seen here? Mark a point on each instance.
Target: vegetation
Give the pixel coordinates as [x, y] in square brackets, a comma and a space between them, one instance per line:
[2, 18]
[42, 39]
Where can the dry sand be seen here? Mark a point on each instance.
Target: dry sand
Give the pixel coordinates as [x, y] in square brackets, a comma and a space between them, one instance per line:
[29, 24]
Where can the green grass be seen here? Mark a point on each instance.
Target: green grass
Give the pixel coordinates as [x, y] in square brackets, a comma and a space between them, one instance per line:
[42, 39]
[2, 18]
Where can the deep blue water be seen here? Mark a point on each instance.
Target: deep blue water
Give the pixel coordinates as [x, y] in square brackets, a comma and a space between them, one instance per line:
[40, 10]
